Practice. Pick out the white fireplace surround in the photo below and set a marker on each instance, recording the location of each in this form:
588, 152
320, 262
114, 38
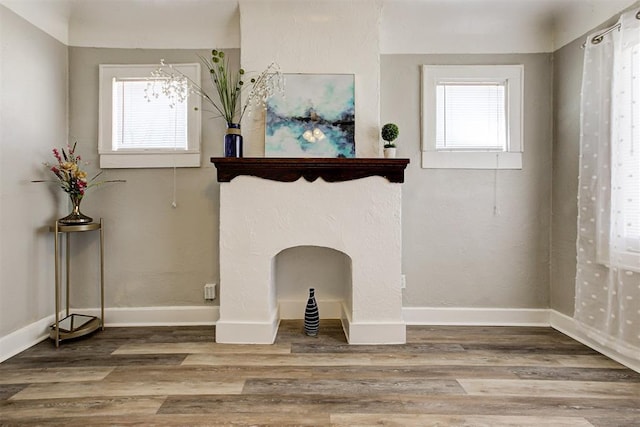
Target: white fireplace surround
259, 218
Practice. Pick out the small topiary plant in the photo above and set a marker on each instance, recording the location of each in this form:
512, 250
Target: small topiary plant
389, 133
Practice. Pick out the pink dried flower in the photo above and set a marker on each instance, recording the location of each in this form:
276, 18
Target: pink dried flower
71, 178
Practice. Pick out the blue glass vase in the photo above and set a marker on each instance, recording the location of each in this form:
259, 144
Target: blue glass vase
233, 141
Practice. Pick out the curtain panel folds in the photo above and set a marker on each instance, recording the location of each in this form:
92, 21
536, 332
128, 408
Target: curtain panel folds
608, 262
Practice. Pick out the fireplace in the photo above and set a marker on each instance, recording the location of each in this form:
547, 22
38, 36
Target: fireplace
352, 206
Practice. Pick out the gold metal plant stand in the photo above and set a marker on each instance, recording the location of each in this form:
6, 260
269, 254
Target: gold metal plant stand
74, 325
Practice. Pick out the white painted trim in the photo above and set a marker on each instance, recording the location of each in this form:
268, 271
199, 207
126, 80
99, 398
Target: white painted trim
514, 317
362, 333
571, 328
345, 320
372, 333
476, 316
23, 338
471, 160
156, 316
32, 334
369, 333
234, 332
149, 160
156, 158
512, 76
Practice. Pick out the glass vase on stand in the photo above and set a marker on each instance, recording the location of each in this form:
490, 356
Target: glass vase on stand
75, 217
233, 141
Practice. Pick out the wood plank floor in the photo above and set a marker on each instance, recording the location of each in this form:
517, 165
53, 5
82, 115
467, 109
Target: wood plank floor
443, 376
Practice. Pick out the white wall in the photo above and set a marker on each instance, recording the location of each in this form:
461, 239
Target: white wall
297, 270
180, 24
489, 26
33, 120
573, 22
454, 26
51, 17
192, 24
407, 26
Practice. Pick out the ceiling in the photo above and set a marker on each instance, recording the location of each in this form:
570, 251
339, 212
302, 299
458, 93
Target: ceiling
194, 23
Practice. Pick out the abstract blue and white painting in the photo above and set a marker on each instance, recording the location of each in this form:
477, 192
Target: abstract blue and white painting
313, 117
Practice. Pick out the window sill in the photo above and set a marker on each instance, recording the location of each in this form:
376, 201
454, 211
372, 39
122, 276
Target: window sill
149, 160
628, 261
471, 160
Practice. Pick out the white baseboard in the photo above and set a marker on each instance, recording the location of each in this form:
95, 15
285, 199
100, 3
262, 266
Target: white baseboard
240, 332
359, 333
157, 316
475, 316
30, 335
23, 338
370, 333
571, 328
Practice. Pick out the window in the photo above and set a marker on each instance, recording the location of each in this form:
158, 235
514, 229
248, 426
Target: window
140, 132
625, 158
626, 191
472, 116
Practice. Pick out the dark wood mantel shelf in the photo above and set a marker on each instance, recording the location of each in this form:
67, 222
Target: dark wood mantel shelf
292, 169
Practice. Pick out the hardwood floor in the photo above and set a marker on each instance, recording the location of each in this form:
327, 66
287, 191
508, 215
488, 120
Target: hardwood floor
443, 376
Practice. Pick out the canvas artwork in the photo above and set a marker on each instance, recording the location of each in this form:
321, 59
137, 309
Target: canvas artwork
313, 117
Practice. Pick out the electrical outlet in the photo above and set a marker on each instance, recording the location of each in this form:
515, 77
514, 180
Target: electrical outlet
210, 291
403, 282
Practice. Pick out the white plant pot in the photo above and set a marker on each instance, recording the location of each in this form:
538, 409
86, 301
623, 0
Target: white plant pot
390, 153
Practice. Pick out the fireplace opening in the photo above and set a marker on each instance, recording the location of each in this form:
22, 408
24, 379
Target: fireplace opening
299, 268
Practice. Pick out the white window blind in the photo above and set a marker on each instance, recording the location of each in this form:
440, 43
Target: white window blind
138, 131
470, 116
146, 124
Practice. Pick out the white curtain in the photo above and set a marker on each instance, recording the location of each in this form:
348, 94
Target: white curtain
608, 262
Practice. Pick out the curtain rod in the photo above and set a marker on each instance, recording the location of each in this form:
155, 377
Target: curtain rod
599, 37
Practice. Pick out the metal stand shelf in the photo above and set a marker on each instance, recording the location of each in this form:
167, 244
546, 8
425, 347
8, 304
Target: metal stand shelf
74, 325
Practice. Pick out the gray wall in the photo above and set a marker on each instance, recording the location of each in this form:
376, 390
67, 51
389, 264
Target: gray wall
33, 120
456, 252
567, 79
155, 255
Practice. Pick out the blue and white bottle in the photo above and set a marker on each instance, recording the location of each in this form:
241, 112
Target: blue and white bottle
311, 315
